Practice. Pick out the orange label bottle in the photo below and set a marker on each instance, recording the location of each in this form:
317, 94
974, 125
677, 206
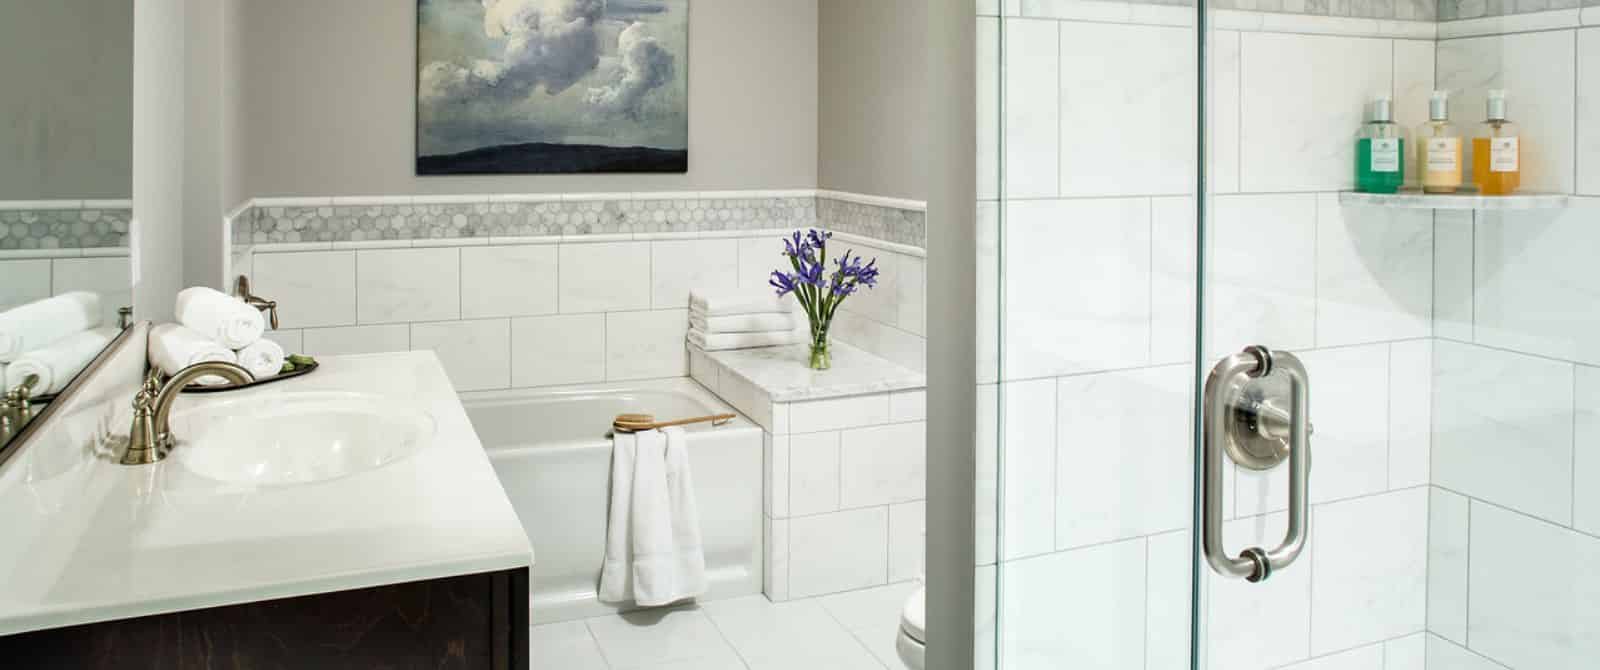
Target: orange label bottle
1497, 151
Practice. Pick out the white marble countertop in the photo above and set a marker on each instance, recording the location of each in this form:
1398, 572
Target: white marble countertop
782, 372
83, 539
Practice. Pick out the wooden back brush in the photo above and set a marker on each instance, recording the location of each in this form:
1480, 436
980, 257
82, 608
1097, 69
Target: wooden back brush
633, 423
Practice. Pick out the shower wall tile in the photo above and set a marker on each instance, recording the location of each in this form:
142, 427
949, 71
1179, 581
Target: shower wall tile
1541, 618
1503, 428
1445, 654
1407, 653
508, 281
1352, 444
1172, 280
1077, 286
1586, 445
1029, 479
1410, 412
1302, 98
1588, 111
1538, 69
1374, 273
1123, 455
1032, 129
1105, 586
1280, 606
476, 354
1369, 657
1452, 275
1449, 534
313, 288
1261, 272
1534, 282
1360, 595
1223, 143
1168, 601
1146, 96
404, 285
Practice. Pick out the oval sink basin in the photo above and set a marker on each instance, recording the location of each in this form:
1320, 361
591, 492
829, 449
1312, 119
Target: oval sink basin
297, 438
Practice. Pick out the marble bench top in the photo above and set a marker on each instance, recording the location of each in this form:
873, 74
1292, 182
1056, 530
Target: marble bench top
781, 372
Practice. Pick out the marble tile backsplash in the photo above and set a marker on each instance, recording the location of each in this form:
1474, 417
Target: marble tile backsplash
64, 225
1457, 10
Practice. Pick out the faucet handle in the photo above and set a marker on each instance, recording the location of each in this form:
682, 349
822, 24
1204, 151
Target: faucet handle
241, 290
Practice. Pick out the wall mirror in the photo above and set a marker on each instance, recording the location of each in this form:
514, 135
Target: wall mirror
66, 179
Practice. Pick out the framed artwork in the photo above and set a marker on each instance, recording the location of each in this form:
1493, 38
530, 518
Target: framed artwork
552, 86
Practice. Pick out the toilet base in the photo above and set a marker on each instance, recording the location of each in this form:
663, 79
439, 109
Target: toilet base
912, 652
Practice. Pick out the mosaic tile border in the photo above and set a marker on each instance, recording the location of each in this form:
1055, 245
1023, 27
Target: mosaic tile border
1463, 10
64, 225
456, 218
1404, 10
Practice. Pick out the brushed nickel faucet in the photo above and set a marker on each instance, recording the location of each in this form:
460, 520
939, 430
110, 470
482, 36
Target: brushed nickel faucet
151, 436
16, 407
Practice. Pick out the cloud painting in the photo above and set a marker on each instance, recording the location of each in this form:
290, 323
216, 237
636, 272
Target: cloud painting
552, 86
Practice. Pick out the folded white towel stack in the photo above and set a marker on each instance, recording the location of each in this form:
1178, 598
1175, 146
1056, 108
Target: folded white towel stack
654, 555
40, 324
743, 320
723, 303
743, 323
59, 363
219, 316
174, 347
726, 341
263, 358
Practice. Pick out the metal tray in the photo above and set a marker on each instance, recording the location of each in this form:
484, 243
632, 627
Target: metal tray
298, 372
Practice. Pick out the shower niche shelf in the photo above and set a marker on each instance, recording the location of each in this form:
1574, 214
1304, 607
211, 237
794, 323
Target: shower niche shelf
1472, 201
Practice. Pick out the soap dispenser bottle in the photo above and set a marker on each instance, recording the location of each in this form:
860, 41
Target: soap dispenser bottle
1439, 143
1497, 151
1380, 151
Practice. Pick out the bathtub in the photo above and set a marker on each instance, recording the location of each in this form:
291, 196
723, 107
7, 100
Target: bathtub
552, 451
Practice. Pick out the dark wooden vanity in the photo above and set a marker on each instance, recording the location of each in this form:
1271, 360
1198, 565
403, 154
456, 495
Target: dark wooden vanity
471, 621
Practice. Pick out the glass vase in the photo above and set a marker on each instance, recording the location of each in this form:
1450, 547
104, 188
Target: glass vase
820, 358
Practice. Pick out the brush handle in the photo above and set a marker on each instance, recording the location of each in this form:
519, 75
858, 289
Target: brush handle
698, 419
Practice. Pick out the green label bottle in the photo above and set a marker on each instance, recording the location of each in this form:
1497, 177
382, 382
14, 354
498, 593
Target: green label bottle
1380, 152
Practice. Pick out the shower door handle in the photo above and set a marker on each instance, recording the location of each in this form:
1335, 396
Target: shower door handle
1238, 420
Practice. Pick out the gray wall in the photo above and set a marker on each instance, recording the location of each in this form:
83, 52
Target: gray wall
66, 116
872, 100
329, 102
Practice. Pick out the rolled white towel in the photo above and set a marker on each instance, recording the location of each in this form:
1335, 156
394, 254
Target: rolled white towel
263, 359
724, 341
59, 363
219, 316
743, 323
744, 301
42, 323
174, 347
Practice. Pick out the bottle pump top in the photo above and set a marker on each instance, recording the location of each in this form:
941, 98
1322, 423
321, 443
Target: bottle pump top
1497, 105
1382, 109
1439, 106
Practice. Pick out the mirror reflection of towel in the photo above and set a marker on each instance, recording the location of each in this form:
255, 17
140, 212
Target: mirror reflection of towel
654, 554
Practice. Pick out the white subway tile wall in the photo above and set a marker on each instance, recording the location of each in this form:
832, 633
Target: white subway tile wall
30, 279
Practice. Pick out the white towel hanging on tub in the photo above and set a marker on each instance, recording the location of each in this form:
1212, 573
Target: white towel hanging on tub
653, 551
